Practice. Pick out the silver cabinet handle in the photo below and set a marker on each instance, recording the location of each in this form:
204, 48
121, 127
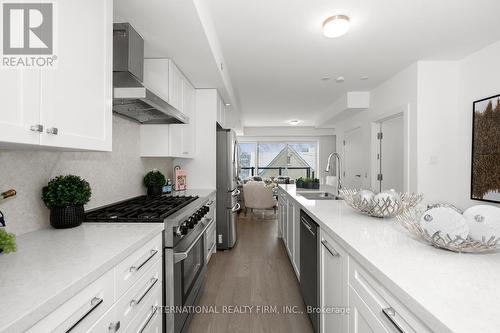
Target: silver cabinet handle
52, 130
304, 222
94, 303
36, 128
139, 300
236, 208
136, 268
146, 324
390, 313
114, 327
328, 247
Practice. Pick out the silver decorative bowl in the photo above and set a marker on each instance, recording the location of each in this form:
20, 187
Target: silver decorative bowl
383, 207
410, 220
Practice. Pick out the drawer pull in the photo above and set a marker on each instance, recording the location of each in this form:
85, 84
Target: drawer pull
390, 313
146, 324
94, 303
139, 300
136, 268
328, 247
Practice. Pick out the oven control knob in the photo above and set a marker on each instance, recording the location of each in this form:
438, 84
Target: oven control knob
206, 209
181, 230
191, 223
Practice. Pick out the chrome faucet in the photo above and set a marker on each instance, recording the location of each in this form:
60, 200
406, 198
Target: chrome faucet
339, 169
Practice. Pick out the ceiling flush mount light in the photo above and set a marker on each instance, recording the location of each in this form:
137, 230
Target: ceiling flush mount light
340, 79
294, 122
228, 104
336, 26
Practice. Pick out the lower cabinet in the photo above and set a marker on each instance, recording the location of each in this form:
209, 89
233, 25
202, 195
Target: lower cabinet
288, 229
114, 304
334, 288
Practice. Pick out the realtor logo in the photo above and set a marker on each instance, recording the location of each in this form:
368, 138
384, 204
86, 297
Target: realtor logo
28, 35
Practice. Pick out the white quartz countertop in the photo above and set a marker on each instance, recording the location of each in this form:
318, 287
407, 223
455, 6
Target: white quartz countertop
50, 266
449, 292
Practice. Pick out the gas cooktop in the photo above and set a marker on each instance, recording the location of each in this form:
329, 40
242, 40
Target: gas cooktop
140, 209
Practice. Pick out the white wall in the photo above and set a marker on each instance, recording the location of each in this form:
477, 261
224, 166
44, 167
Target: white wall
393, 96
446, 93
113, 176
202, 168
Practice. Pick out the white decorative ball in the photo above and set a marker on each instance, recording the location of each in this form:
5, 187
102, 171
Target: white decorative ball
365, 197
446, 220
391, 195
483, 221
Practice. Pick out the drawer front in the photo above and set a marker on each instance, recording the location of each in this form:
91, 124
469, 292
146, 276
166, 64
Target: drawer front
140, 293
82, 310
390, 312
149, 316
130, 270
109, 323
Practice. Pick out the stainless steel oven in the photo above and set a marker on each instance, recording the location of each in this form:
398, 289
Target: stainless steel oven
189, 275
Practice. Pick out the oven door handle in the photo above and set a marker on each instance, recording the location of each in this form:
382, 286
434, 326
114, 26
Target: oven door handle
180, 256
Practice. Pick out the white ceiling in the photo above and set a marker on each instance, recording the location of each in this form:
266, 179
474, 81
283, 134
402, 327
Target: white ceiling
276, 54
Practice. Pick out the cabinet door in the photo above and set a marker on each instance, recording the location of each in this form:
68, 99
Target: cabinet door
175, 140
20, 96
290, 230
334, 286
76, 97
362, 320
189, 130
174, 86
156, 76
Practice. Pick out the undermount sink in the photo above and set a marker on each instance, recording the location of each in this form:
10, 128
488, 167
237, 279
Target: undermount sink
319, 196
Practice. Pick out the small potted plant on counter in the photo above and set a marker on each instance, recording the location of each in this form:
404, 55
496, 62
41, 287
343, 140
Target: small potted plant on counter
7, 242
154, 181
65, 197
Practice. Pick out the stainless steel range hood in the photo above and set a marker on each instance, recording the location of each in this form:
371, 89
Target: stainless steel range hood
130, 98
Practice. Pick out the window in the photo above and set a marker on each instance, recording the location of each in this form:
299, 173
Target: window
273, 159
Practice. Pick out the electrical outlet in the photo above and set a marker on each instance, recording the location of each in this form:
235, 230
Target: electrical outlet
220, 239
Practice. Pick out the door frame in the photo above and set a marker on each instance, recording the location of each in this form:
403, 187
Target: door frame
403, 110
351, 129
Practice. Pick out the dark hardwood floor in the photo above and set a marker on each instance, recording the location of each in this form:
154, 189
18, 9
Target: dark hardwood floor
256, 272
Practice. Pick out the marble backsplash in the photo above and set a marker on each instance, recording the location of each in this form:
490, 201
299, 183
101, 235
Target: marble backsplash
113, 176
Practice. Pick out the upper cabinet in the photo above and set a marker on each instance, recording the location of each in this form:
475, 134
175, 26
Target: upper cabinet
164, 78
68, 106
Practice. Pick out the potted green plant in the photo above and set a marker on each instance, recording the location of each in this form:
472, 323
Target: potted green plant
299, 183
154, 181
7, 242
65, 197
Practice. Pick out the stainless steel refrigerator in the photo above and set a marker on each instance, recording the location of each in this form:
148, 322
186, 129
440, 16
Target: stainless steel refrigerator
227, 188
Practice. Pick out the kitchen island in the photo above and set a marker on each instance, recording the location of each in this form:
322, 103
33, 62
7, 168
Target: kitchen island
384, 267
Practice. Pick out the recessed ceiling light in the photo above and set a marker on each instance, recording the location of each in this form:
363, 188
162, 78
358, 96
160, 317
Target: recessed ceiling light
228, 104
294, 122
340, 79
336, 26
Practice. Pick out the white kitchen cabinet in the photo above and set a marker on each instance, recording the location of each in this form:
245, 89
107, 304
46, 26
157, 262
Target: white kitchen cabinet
333, 285
175, 79
20, 96
288, 229
377, 307
122, 297
221, 112
165, 79
71, 102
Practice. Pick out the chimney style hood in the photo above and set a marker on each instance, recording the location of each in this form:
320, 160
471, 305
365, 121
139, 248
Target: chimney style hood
130, 98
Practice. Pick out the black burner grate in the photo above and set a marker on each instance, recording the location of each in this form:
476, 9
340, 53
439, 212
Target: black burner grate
140, 209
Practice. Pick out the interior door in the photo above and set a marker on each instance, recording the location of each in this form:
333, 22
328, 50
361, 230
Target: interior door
353, 159
392, 154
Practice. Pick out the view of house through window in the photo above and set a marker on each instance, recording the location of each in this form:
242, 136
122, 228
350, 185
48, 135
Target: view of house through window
273, 159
